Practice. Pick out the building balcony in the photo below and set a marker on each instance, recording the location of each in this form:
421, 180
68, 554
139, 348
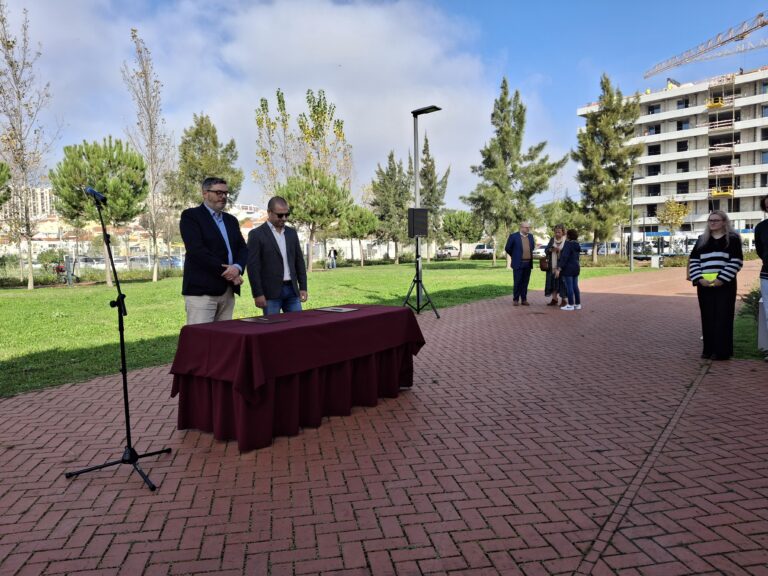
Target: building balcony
726, 124
721, 170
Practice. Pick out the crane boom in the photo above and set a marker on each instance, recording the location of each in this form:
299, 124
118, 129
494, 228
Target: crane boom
736, 33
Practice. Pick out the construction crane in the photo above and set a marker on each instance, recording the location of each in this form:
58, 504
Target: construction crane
706, 50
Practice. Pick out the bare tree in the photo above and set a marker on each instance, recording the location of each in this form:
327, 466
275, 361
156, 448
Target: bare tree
150, 138
23, 144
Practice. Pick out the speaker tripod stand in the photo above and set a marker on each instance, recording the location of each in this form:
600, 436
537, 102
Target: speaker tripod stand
419, 286
130, 456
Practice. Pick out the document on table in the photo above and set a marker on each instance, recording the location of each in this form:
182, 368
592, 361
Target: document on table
337, 309
263, 320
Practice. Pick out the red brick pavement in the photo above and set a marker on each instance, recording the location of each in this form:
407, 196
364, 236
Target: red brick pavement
535, 441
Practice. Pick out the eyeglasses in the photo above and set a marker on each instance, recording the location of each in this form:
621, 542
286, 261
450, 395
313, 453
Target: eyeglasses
219, 192
715, 220
282, 214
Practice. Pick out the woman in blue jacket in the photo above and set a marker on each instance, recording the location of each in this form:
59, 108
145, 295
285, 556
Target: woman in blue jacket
568, 270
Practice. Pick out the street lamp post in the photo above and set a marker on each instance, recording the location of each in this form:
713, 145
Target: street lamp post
417, 204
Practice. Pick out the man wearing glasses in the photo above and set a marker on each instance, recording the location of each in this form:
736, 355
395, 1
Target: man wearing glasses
216, 256
276, 267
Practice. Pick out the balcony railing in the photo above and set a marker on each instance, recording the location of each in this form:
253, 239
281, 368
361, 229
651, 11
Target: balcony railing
722, 146
720, 124
723, 169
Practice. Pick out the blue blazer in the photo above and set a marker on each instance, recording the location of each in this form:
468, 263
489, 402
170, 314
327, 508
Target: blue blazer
568, 261
514, 248
206, 252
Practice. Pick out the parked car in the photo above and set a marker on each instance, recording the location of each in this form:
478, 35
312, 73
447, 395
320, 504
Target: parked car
609, 248
172, 262
448, 252
540, 251
484, 249
586, 247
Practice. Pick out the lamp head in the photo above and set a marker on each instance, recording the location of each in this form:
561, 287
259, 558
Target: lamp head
425, 110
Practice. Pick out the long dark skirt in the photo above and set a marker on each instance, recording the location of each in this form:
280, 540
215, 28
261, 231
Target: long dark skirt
554, 287
717, 307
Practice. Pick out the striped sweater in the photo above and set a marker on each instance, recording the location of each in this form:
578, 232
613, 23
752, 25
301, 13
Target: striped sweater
715, 257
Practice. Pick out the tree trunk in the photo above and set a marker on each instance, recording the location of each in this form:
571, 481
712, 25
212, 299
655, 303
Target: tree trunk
309, 248
594, 248
461, 249
493, 256
107, 267
397, 253
352, 249
30, 270
21, 262
362, 258
155, 260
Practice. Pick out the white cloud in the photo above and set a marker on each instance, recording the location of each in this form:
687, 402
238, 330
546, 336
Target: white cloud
375, 60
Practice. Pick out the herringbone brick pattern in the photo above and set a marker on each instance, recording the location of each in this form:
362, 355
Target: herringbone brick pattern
534, 441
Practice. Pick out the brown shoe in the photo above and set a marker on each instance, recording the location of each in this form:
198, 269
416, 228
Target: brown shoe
563, 302
515, 303
525, 303
552, 303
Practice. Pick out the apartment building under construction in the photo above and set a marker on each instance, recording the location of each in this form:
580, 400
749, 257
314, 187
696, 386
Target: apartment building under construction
705, 144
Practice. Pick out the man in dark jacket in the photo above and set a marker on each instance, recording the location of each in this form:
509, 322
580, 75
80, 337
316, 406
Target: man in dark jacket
520, 249
276, 267
216, 256
761, 246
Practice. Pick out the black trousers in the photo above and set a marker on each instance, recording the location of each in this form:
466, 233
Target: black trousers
717, 306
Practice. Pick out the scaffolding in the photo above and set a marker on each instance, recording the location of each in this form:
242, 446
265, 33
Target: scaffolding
721, 140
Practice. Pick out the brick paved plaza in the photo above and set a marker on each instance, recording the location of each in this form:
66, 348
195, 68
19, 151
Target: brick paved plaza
534, 441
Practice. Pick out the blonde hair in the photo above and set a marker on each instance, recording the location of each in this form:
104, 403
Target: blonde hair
729, 231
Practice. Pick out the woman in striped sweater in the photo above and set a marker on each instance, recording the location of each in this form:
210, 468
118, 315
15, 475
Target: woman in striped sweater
713, 265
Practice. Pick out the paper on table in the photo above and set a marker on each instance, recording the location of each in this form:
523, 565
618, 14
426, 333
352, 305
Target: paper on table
337, 309
263, 320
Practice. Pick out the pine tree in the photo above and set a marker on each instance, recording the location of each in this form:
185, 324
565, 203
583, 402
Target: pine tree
391, 193
317, 201
432, 193
359, 224
201, 155
607, 162
509, 176
113, 169
462, 226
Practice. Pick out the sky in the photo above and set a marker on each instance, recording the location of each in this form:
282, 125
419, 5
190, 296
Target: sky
376, 60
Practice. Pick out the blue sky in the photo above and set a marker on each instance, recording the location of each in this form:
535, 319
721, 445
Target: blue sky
375, 60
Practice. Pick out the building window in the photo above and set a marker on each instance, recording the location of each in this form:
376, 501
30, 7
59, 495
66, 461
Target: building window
682, 187
655, 169
764, 111
682, 103
764, 87
654, 108
682, 167
764, 157
684, 124
764, 134
763, 180
682, 146
656, 129
654, 150
651, 210
714, 205
654, 189
736, 205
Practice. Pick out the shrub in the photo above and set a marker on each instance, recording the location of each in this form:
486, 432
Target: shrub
750, 304
481, 256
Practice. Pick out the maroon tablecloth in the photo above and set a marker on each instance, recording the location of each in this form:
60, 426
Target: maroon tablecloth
251, 381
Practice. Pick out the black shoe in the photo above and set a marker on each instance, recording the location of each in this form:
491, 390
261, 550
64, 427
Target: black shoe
716, 358
705, 356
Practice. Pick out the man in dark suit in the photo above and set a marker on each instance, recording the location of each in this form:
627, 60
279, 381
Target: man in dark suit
216, 256
276, 267
520, 248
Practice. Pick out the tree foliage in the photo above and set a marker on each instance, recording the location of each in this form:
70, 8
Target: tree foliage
509, 175
432, 192
672, 214
113, 169
462, 226
359, 223
150, 138
316, 200
391, 194
567, 212
607, 161
201, 155
318, 139
23, 141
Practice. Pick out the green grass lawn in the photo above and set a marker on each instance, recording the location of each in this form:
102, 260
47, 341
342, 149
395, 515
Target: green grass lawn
59, 335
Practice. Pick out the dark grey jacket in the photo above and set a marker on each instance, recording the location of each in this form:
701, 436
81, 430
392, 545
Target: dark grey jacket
265, 263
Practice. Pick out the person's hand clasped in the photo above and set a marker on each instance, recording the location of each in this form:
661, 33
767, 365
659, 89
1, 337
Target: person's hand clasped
260, 301
231, 274
303, 295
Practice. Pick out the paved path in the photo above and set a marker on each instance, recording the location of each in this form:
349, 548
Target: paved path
534, 442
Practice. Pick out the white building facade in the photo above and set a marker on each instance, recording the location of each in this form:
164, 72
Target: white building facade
705, 144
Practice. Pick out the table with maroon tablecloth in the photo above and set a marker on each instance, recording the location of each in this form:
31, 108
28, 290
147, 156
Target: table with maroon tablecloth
252, 380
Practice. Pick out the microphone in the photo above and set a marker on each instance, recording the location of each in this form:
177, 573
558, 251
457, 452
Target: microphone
97, 196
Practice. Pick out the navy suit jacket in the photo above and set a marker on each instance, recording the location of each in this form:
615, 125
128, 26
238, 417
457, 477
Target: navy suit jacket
514, 248
207, 251
265, 263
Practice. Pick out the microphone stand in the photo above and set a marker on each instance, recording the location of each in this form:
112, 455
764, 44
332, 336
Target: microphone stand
130, 456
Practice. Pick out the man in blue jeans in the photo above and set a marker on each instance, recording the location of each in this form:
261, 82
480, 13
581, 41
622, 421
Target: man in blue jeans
276, 267
520, 249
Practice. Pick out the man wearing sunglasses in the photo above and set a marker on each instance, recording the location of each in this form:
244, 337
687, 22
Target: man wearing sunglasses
276, 267
216, 256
